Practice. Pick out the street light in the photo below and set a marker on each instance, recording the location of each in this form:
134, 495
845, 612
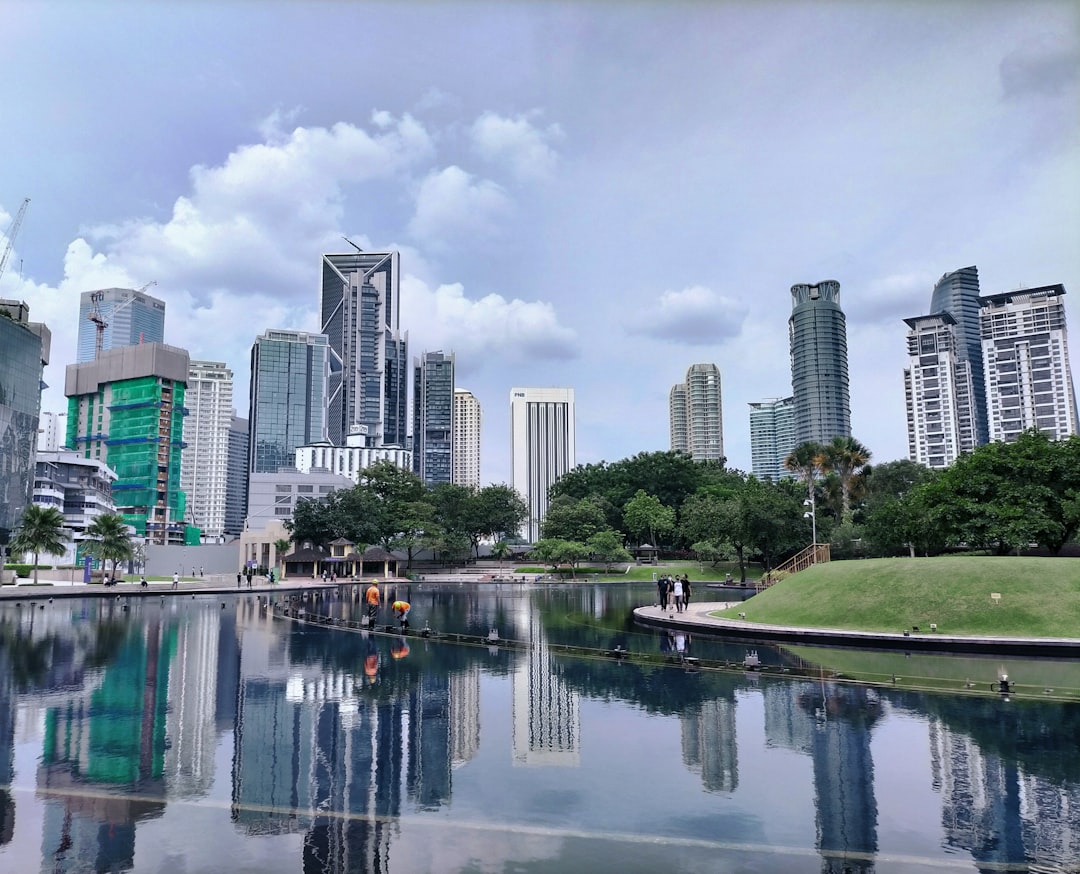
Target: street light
811, 514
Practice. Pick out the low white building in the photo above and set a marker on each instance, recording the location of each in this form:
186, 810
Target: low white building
80, 488
352, 458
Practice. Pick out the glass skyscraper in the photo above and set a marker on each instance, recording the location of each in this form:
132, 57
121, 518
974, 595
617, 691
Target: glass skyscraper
433, 418
772, 437
817, 330
131, 317
360, 314
289, 376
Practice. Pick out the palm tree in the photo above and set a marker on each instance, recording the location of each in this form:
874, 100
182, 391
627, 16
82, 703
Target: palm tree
40, 531
109, 539
281, 546
846, 457
803, 460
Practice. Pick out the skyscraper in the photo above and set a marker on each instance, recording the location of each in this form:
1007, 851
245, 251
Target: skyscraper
433, 417
1026, 355
236, 485
467, 420
957, 294
204, 464
696, 414
131, 317
542, 447
361, 317
290, 371
817, 330
772, 437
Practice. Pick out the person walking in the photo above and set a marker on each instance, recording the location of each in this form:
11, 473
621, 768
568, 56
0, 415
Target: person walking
142, 581
239, 579
676, 594
685, 591
662, 590
372, 597
175, 579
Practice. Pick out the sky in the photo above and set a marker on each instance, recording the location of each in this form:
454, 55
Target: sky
587, 195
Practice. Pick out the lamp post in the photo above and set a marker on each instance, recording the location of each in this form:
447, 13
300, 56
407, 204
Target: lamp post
811, 514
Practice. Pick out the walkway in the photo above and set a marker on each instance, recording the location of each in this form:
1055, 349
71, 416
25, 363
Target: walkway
695, 618
220, 584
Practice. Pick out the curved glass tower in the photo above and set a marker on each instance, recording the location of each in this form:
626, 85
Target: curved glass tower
817, 330
957, 294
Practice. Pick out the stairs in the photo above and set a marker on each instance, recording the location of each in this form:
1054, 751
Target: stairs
816, 553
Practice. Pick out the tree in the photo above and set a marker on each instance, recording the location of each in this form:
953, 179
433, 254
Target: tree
547, 552
846, 457
109, 539
709, 551
501, 550
803, 461
499, 512
281, 545
607, 546
41, 530
645, 514
567, 519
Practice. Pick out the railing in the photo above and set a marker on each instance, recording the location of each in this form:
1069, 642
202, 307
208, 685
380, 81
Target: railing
816, 553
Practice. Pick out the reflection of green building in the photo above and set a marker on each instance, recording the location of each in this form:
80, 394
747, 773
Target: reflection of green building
127, 409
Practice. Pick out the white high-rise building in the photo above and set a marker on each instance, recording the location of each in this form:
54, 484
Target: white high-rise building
204, 463
49, 433
772, 437
1026, 359
542, 447
466, 439
696, 414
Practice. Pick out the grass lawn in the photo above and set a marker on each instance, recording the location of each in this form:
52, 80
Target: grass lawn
1040, 597
644, 572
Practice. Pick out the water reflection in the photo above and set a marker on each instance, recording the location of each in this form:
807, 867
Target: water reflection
360, 749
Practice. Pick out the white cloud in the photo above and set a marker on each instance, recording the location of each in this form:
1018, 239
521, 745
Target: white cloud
517, 143
696, 316
452, 205
489, 331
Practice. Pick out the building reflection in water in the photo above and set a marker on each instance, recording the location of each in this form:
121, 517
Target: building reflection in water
708, 744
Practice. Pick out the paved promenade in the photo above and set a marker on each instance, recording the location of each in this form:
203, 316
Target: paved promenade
695, 618
220, 584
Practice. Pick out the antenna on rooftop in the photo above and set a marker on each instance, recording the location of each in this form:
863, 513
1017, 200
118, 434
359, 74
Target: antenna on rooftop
351, 243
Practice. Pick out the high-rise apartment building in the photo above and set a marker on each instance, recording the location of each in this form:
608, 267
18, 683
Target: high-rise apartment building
236, 479
817, 330
772, 437
542, 447
696, 414
433, 417
466, 439
360, 314
939, 392
50, 432
126, 408
79, 487
1026, 356
957, 293
24, 352
204, 464
290, 373
130, 317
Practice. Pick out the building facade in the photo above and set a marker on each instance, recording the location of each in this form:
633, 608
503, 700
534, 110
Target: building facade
1026, 358
273, 496
126, 409
24, 352
466, 455
352, 459
957, 293
130, 317
50, 431
204, 464
772, 437
542, 447
79, 487
817, 330
290, 373
236, 479
360, 314
433, 417
696, 414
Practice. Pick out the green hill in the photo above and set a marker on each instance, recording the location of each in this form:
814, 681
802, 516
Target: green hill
1040, 597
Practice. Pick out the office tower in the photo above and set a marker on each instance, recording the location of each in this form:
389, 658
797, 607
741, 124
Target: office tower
24, 352
1026, 355
127, 409
957, 294
50, 432
290, 372
696, 416
236, 478
204, 465
817, 330
433, 417
772, 437
352, 459
542, 447
360, 309
130, 317
79, 487
939, 392
466, 439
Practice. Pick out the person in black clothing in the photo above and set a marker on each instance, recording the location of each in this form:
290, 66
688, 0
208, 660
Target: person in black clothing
685, 591
663, 587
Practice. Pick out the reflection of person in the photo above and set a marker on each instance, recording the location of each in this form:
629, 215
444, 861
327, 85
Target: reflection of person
399, 649
371, 665
401, 611
372, 598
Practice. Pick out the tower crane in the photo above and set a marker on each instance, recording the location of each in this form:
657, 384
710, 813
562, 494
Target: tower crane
12, 232
99, 320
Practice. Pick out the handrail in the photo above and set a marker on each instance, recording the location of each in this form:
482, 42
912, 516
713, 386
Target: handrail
815, 553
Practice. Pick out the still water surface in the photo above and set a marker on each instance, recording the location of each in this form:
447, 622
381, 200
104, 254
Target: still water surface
191, 735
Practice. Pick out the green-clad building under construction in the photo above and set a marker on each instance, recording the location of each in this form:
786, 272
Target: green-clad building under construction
126, 408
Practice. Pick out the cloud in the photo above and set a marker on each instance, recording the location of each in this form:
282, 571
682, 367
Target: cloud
516, 143
888, 299
489, 331
1039, 69
453, 206
696, 315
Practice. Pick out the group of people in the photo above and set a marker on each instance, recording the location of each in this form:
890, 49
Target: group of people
673, 590
400, 608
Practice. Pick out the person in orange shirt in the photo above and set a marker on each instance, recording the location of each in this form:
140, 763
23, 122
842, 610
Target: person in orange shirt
401, 611
373, 600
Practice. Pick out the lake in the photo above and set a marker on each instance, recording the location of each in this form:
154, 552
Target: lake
200, 734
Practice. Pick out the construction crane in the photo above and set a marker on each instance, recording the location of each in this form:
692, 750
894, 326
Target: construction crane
12, 232
99, 320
